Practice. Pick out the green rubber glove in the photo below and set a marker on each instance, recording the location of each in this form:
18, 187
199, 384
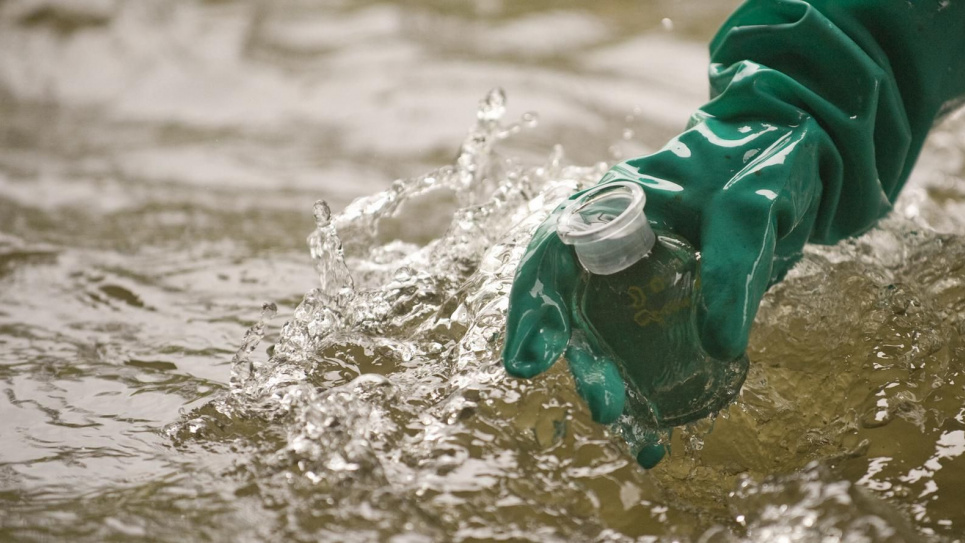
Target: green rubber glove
819, 111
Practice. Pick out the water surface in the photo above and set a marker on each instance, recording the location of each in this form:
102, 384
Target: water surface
159, 168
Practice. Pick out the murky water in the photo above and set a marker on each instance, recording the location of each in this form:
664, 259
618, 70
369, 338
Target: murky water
160, 164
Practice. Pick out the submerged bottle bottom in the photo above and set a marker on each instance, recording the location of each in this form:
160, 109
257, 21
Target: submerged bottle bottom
644, 318
647, 432
702, 395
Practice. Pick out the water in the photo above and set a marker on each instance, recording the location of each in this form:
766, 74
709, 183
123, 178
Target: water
159, 162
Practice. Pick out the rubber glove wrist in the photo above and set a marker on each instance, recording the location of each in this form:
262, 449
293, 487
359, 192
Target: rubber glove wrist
873, 74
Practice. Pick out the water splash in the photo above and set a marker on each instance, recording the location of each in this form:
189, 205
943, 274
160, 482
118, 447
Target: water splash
327, 254
243, 368
387, 375
383, 408
812, 505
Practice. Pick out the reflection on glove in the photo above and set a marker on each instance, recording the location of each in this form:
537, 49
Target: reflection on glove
819, 111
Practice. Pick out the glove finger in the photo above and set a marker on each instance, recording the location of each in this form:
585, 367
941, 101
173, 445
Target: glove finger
538, 322
737, 251
598, 379
650, 455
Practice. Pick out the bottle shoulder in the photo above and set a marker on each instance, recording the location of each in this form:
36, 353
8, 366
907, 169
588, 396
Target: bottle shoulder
675, 246
668, 271
670, 254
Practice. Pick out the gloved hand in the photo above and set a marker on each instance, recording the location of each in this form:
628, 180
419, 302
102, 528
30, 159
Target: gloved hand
819, 111
747, 194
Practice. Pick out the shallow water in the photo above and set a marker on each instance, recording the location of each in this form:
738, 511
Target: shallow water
159, 162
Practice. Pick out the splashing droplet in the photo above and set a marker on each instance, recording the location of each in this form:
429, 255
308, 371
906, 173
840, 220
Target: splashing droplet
530, 119
327, 253
556, 157
243, 368
323, 214
493, 106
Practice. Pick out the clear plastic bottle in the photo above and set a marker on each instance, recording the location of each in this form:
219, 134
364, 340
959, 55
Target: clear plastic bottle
638, 296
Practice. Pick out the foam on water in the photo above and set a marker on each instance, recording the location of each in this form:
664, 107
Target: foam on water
382, 409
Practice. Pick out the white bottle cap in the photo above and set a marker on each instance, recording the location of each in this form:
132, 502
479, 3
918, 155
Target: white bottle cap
607, 228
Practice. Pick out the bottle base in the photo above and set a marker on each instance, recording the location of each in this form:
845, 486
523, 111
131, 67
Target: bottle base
721, 394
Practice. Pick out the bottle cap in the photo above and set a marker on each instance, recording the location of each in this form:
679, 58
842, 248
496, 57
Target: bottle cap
607, 227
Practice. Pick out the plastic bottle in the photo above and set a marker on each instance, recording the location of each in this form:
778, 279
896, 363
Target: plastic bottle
638, 295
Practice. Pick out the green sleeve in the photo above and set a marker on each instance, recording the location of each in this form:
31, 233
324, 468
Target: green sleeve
874, 74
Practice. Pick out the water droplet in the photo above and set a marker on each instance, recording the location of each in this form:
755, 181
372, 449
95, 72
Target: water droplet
510, 130
628, 133
323, 214
556, 157
404, 274
530, 119
493, 106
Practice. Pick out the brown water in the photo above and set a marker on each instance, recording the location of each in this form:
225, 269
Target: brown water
159, 162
